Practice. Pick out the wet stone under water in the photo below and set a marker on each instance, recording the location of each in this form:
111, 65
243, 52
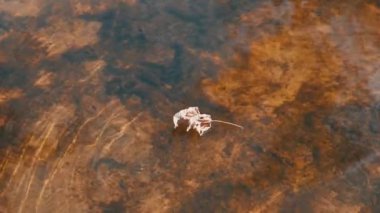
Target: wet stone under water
88, 89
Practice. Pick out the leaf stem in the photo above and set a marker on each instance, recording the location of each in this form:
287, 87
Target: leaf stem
225, 122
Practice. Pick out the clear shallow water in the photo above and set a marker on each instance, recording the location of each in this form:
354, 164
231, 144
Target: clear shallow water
88, 90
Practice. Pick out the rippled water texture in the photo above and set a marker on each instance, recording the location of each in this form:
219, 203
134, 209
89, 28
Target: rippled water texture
88, 89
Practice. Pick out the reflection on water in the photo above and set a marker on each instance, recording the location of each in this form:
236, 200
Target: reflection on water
88, 88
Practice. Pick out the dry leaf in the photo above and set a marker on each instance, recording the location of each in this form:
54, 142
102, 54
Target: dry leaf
200, 122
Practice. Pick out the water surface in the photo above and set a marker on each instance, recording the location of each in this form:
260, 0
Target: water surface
88, 89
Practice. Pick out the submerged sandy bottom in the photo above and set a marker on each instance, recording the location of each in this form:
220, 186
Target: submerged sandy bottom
88, 89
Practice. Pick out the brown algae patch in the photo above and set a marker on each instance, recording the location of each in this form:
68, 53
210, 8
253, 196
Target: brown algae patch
7, 95
272, 73
62, 35
44, 79
307, 50
21, 8
109, 134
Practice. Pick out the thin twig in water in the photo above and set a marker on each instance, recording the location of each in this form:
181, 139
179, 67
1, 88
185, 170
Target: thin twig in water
225, 122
